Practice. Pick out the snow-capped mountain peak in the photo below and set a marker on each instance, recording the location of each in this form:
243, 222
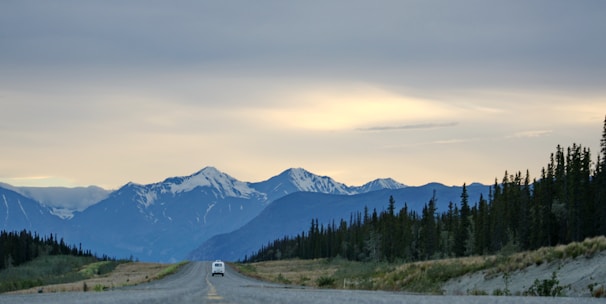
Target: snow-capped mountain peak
211, 177
304, 180
379, 184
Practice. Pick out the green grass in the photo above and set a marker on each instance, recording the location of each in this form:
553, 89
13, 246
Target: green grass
54, 269
171, 269
98, 268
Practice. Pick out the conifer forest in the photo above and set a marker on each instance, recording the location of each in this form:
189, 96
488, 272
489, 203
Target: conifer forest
567, 203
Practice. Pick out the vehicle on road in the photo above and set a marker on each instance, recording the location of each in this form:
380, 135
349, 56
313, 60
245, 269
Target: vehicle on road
218, 268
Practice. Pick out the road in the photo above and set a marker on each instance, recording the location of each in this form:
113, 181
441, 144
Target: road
194, 284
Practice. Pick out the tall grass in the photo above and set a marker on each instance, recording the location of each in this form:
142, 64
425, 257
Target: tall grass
521, 260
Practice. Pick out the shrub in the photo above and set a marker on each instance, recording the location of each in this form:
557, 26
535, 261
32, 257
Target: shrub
280, 278
546, 288
303, 280
498, 292
598, 292
477, 292
326, 281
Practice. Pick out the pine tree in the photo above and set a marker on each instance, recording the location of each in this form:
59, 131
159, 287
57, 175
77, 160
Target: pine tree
406, 236
462, 234
524, 214
482, 227
429, 232
389, 230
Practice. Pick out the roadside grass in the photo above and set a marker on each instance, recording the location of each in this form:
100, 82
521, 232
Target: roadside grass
170, 269
69, 273
419, 277
429, 276
126, 274
298, 272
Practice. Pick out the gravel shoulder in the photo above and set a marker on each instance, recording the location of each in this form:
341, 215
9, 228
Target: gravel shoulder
576, 274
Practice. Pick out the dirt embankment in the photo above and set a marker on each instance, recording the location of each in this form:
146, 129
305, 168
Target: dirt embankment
124, 275
580, 277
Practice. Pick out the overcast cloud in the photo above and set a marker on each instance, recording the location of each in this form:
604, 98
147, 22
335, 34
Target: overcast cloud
106, 92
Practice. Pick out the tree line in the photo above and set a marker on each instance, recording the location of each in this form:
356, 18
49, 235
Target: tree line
18, 247
566, 204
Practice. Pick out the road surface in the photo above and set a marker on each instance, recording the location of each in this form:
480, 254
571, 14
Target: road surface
194, 284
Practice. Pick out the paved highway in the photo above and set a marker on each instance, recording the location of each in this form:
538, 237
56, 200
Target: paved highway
194, 284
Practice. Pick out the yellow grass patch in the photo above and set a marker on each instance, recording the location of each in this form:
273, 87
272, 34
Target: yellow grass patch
298, 272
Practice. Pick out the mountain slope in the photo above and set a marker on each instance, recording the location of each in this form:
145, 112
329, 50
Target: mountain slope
161, 221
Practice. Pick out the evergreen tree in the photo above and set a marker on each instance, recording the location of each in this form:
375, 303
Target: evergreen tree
389, 230
20, 247
462, 234
524, 214
429, 232
482, 227
405, 224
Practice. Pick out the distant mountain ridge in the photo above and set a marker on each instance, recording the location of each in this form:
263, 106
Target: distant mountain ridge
62, 201
298, 179
18, 212
65, 201
165, 221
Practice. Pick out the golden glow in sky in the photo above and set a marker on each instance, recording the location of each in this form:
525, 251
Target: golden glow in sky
450, 92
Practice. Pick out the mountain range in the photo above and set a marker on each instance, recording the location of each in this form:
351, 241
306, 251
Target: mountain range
208, 214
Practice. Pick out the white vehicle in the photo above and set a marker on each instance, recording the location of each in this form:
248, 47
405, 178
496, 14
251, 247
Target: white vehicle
218, 268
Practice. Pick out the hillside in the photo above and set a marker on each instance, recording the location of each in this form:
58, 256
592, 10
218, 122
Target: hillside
582, 276
580, 270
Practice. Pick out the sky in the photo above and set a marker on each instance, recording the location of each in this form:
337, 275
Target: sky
110, 92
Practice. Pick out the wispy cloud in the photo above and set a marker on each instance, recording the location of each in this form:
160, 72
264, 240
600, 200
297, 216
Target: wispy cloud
530, 133
452, 141
410, 127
